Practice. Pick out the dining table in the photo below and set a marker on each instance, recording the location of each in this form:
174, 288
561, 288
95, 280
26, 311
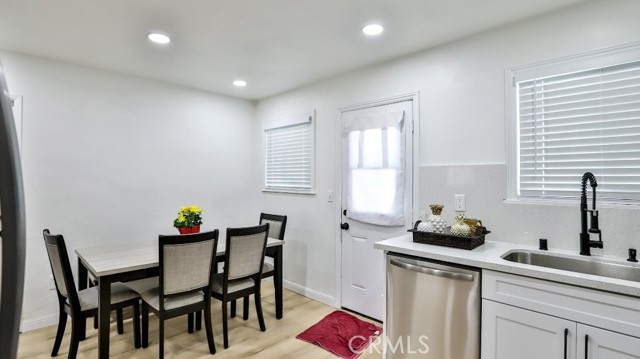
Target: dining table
109, 264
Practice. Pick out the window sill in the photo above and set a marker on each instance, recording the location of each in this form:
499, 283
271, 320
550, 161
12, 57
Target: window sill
572, 203
288, 191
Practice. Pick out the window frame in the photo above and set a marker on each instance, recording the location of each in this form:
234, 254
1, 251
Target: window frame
589, 60
309, 117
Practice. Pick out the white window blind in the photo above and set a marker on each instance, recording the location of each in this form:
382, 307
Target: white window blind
289, 157
578, 122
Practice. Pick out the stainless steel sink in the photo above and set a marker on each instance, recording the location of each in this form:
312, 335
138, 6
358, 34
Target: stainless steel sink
588, 265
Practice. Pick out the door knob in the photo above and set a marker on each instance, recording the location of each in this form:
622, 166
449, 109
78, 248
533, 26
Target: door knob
345, 226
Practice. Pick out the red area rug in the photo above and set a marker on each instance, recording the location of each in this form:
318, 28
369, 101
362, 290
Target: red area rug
341, 334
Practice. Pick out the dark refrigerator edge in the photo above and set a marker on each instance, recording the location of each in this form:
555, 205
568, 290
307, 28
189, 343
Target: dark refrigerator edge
13, 228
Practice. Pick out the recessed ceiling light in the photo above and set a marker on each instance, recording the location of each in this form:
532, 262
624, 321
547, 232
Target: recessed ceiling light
239, 83
158, 38
373, 29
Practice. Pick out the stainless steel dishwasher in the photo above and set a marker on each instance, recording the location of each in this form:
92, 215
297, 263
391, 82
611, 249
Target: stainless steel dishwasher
433, 310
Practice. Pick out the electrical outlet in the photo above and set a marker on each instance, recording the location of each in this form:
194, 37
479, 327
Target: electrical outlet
460, 203
330, 197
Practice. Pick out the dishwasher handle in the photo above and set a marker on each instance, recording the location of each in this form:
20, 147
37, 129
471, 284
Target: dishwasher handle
432, 271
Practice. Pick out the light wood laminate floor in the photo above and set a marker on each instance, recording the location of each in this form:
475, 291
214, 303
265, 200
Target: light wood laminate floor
245, 338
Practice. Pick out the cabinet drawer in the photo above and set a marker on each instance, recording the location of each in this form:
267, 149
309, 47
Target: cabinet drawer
600, 309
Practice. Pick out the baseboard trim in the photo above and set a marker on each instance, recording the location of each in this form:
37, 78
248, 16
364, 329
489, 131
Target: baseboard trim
310, 293
37, 323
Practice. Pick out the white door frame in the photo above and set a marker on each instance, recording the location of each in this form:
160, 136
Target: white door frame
415, 98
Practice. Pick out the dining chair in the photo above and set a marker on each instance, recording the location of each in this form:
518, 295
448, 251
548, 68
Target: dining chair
277, 226
80, 305
183, 285
244, 258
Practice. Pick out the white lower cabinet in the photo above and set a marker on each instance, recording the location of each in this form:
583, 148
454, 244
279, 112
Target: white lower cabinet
509, 332
596, 343
526, 318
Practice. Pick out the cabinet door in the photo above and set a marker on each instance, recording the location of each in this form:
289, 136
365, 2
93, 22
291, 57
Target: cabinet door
509, 332
595, 343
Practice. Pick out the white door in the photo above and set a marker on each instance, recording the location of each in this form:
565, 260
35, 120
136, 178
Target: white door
603, 344
509, 332
377, 195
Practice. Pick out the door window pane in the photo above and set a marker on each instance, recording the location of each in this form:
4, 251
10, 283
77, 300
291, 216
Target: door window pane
376, 175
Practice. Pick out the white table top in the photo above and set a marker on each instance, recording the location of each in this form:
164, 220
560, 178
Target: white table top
108, 260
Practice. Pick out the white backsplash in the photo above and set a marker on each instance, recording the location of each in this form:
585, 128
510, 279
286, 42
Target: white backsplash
485, 187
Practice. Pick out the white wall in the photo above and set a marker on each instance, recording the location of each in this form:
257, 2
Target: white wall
486, 187
461, 122
109, 158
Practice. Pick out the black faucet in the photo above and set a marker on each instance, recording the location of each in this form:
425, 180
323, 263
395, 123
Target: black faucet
585, 239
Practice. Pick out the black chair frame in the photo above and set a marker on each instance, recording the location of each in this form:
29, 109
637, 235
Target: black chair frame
227, 297
72, 306
245, 301
205, 305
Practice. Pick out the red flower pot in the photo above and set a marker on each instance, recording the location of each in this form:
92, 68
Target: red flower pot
189, 230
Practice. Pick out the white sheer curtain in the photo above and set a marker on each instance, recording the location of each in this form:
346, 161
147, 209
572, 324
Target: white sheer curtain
376, 168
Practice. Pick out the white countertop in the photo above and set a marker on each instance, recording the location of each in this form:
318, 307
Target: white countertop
488, 256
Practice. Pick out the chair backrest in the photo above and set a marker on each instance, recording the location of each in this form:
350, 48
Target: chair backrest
186, 263
277, 224
245, 249
61, 268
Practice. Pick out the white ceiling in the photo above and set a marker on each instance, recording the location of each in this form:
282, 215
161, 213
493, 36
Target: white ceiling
275, 45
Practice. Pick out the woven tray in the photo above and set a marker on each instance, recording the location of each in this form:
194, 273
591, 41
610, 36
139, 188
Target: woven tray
449, 240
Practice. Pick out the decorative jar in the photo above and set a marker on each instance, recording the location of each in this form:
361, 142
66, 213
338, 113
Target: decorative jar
439, 223
425, 226
460, 228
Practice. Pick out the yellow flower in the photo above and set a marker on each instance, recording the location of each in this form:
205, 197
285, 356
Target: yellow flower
184, 209
181, 218
194, 209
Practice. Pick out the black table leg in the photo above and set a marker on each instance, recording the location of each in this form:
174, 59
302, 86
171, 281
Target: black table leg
104, 303
218, 259
277, 280
83, 276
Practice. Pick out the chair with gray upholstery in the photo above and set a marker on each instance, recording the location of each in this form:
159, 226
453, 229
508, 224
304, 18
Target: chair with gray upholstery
183, 286
80, 305
277, 225
244, 259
